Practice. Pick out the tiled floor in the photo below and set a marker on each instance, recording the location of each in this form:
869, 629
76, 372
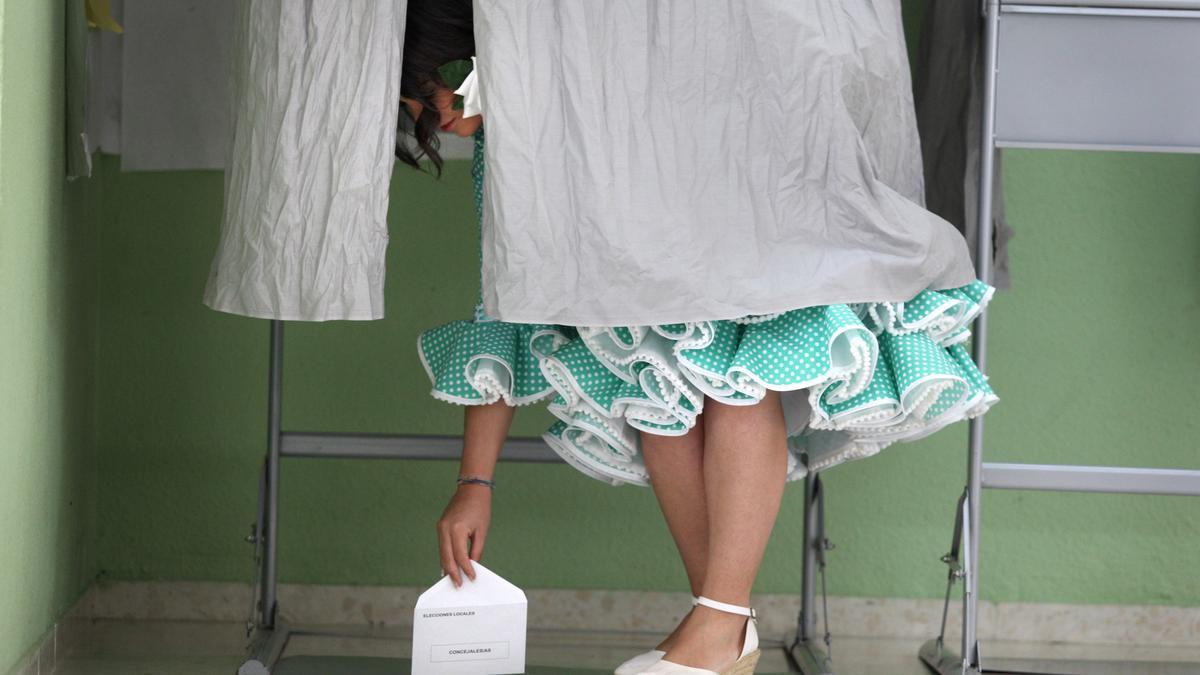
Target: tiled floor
118, 647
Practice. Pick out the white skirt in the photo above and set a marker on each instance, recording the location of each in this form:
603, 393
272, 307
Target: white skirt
666, 161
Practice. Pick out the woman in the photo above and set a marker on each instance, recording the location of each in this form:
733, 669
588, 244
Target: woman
715, 415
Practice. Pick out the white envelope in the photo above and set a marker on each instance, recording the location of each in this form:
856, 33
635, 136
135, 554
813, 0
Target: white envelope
477, 629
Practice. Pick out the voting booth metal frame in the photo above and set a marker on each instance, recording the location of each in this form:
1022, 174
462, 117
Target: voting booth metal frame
1062, 74
267, 631
1026, 103
1068, 74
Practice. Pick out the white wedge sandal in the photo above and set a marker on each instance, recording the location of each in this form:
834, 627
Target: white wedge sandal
644, 660
746, 660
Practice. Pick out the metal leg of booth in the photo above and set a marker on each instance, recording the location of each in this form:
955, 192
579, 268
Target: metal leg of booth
963, 558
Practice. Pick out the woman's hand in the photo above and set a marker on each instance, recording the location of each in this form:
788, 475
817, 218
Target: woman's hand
467, 515
469, 512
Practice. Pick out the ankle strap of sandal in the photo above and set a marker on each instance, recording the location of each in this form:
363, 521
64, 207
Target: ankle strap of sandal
694, 600
726, 607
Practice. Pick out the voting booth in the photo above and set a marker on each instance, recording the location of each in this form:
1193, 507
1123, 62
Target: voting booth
1088, 75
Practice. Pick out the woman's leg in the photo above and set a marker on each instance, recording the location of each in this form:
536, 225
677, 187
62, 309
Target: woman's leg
745, 470
676, 475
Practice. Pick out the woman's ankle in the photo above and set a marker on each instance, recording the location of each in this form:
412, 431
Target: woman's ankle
667, 641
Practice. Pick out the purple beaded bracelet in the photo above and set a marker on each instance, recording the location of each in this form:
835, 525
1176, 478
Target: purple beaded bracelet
481, 481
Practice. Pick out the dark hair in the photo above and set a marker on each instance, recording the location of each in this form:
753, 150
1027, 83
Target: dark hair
435, 32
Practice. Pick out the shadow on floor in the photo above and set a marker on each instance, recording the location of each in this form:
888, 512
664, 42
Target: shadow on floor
373, 665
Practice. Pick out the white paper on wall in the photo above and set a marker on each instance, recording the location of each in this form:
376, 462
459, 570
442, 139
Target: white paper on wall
103, 108
175, 84
159, 94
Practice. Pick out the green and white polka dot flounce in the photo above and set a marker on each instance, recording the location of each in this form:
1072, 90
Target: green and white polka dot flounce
866, 375
474, 363
482, 360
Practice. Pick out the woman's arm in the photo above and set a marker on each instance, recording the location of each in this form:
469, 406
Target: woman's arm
485, 427
470, 509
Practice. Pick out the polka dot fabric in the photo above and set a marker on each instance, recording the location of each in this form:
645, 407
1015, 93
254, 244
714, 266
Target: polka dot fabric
482, 360
871, 374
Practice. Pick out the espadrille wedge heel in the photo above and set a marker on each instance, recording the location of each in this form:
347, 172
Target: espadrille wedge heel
746, 662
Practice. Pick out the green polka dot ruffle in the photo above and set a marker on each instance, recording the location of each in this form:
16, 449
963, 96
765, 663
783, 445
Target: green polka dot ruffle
862, 376
482, 360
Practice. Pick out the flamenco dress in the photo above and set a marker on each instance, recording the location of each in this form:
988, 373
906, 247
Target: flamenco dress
854, 378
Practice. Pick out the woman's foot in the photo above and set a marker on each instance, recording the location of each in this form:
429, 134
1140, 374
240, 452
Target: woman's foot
637, 663
670, 639
709, 639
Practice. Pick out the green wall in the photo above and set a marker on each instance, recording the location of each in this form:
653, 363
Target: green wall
47, 339
1093, 352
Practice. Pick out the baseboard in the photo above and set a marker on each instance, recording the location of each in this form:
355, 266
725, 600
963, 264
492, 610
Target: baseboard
654, 611
55, 644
